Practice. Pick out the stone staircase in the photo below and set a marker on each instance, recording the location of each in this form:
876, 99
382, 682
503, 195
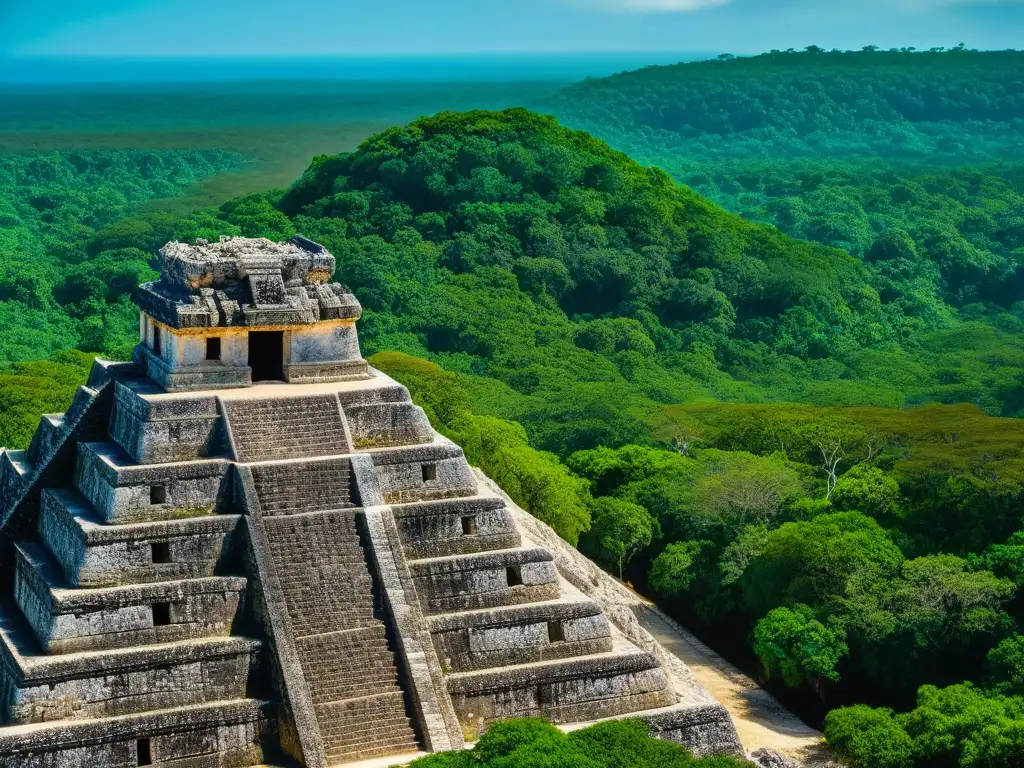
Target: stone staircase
309, 486
276, 428
336, 621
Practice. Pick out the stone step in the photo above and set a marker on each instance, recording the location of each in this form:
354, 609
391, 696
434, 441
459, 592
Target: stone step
66, 619
15, 470
356, 690
373, 722
94, 554
271, 429
299, 487
107, 683
372, 749
331, 592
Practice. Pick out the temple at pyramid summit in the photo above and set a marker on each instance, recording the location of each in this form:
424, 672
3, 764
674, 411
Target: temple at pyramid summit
247, 547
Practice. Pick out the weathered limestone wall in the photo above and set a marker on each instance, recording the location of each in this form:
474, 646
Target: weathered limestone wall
122, 492
202, 736
520, 635
66, 620
422, 473
323, 343
505, 577
149, 679
92, 554
164, 430
579, 690
383, 425
459, 526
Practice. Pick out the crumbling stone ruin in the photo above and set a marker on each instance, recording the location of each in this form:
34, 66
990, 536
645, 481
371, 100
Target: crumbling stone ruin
246, 547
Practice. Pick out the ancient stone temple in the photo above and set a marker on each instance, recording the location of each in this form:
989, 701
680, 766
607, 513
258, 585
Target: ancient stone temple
247, 547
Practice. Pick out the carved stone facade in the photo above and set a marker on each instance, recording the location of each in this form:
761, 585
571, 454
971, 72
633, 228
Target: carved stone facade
203, 571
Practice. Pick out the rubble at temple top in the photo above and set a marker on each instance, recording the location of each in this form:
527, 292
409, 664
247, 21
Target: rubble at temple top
243, 281
216, 265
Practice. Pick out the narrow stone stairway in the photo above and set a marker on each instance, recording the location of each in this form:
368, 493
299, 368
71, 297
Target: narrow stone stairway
342, 643
276, 428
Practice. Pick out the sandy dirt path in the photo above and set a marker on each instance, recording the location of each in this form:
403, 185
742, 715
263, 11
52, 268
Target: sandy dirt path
760, 719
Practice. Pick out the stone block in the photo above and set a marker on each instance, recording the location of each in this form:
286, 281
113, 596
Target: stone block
489, 580
154, 427
122, 491
383, 425
66, 619
458, 526
423, 473
93, 555
575, 690
520, 635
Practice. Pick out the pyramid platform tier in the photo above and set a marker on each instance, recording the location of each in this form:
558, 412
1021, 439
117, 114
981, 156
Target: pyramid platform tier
239, 732
94, 554
564, 690
457, 526
521, 634
96, 684
485, 580
65, 619
121, 490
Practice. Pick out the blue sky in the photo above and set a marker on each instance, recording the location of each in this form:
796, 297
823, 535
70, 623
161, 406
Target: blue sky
319, 27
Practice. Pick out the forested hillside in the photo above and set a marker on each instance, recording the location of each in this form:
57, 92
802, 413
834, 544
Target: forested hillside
902, 105
624, 356
908, 161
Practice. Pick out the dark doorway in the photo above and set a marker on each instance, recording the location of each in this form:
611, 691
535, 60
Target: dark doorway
266, 355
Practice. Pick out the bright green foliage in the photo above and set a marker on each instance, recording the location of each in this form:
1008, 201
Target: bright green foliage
1005, 665
69, 259
790, 104
619, 529
794, 645
871, 738
676, 568
819, 560
531, 743
869, 490
956, 726
32, 389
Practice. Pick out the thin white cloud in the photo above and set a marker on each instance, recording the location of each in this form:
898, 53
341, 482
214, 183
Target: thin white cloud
646, 6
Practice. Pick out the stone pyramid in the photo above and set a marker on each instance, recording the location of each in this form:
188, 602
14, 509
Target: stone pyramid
247, 547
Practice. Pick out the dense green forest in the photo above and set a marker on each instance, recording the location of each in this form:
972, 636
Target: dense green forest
61, 287
947, 105
805, 448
